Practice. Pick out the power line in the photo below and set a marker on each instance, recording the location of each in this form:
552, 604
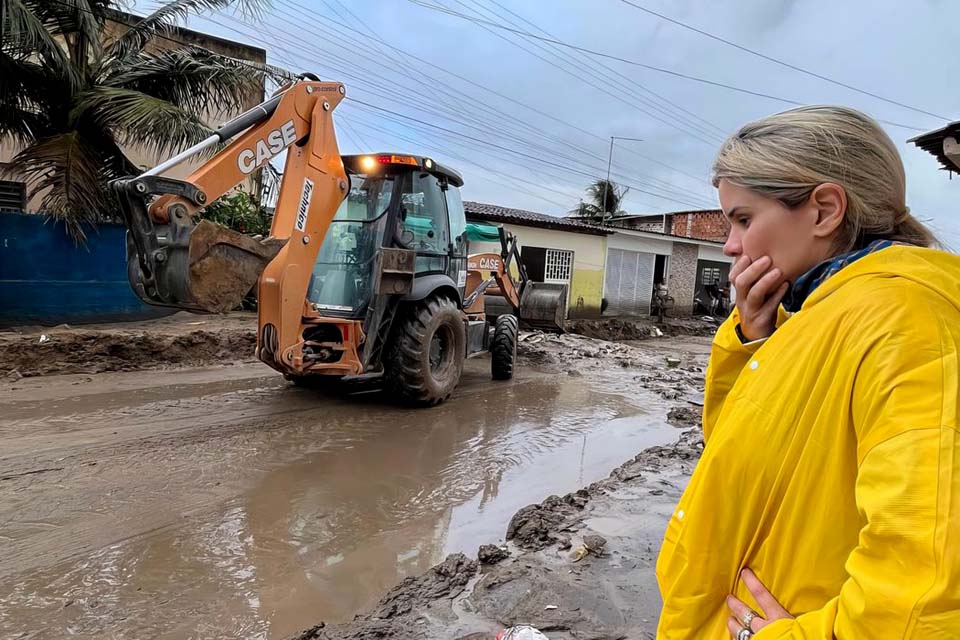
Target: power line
599, 72
435, 127
593, 52
482, 23
355, 136
777, 61
683, 198
501, 147
537, 170
380, 45
291, 74
677, 74
489, 90
607, 67
448, 151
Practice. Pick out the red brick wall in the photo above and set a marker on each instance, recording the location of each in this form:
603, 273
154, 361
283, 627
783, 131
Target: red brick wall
679, 225
710, 225
704, 225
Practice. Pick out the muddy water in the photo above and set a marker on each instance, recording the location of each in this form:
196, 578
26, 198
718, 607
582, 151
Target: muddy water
194, 506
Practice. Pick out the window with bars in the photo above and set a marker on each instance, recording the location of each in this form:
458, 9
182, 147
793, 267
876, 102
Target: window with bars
558, 266
13, 196
710, 275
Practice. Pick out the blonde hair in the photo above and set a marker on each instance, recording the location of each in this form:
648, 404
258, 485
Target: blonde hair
787, 155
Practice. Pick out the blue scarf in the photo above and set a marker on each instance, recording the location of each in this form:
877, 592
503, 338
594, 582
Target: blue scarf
806, 284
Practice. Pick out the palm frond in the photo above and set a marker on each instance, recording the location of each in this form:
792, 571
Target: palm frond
20, 126
164, 19
585, 210
137, 119
607, 196
194, 79
25, 35
73, 19
66, 171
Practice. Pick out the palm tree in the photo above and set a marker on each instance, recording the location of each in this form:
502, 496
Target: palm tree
605, 200
72, 99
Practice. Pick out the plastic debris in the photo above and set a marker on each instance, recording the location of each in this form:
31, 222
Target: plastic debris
44, 338
521, 632
592, 544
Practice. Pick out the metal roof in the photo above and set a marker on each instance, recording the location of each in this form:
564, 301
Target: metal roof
932, 142
494, 213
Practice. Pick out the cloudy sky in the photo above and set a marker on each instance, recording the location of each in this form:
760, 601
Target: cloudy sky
528, 122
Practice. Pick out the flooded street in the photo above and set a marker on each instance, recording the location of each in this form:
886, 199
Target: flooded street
225, 502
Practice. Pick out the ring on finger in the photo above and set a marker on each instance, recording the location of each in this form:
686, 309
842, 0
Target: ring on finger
748, 619
744, 634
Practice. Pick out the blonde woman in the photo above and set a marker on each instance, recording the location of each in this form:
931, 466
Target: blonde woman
827, 501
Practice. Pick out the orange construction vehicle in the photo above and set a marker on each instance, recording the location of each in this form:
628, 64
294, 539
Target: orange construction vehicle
366, 271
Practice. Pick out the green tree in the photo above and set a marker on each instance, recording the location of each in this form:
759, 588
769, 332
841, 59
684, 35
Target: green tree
239, 211
604, 200
71, 100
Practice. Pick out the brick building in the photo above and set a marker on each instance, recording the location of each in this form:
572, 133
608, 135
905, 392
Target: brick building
707, 224
699, 224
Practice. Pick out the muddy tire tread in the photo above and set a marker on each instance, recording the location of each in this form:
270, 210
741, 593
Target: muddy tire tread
503, 350
405, 375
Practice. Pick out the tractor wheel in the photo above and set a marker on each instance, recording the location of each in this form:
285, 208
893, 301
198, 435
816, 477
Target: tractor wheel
426, 353
503, 350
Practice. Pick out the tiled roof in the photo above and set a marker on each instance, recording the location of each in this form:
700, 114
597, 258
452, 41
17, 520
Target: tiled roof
494, 213
655, 216
932, 142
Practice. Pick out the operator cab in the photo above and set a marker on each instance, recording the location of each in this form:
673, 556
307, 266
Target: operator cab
395, 200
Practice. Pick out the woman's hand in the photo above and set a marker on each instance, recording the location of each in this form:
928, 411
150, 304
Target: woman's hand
771, 609
760, 289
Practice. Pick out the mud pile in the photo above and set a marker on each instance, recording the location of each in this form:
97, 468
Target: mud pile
623, 329
73, 351
403, 609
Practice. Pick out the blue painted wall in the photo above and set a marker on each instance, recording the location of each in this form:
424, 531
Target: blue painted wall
47, 279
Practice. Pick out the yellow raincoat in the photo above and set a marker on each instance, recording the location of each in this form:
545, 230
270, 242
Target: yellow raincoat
832, 464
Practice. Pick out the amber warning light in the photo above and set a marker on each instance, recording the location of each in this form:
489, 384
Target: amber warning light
369, 163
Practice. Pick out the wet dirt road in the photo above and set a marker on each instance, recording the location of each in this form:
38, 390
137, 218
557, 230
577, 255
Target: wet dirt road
223, 502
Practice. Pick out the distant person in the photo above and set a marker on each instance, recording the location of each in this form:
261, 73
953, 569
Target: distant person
827, 500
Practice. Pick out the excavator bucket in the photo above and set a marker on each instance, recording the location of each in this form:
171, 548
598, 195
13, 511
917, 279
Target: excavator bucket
544, 305
212, 272
225, 266
199, 266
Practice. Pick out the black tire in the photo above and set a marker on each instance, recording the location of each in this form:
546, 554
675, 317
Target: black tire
503, 350
425, 357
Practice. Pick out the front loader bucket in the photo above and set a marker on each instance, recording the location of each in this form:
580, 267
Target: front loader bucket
544, 305
197, 266
211, 270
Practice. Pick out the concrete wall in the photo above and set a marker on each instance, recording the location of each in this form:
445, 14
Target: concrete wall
589, 255
636, 242
656, 225
712, 253
683, 276
47, 279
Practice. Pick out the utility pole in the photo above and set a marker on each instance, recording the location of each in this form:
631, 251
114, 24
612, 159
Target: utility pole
606, 185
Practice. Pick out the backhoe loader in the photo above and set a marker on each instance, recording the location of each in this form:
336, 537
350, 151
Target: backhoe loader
366, 271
